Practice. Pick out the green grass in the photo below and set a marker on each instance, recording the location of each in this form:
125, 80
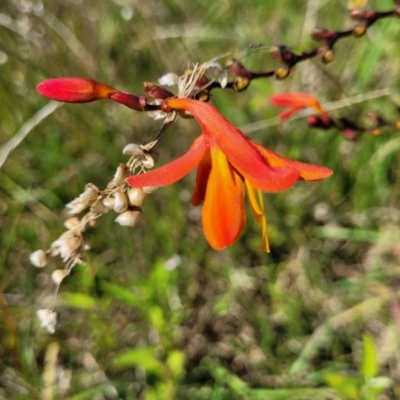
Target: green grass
222, 325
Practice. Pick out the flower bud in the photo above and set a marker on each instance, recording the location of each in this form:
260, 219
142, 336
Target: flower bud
326, 54
137, 197
359, 30
282, 73
322, 34
128, 218
74, 90
363, 15
237, 69
349, 134
156, 91
282, 54
39, 258
129, 100
240, 83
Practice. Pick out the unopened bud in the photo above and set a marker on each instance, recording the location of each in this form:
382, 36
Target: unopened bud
128, 218
359, 30
375, 131
326, 54
322, 34
350, 134
203, 95
75, 90
128, 100
240, 83
282, 54
282, 73
137, 197
363, 15
156, 91
237, 69
39, 258
58, 275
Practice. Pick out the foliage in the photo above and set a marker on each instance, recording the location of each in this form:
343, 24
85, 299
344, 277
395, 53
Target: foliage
156, 313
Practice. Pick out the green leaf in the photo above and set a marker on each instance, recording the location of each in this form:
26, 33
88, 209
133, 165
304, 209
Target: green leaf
346, 386
176, 363
141, 357
369, 365
79, 300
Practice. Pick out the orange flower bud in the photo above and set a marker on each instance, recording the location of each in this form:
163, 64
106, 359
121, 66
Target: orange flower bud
74, 90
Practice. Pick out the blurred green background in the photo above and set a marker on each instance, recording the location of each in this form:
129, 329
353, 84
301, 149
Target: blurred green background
156, 313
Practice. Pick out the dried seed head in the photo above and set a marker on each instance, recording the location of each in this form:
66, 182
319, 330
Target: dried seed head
169, 79
76, 206
120, 175
99, 208
39, 258
48, 319
58, 275
109, 202
150, 189
68, 245
137, 197
134, 150
128, 218
89, 196
120, 201
72, 223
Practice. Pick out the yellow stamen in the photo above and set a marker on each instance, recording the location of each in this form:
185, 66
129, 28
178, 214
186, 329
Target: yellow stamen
258, 210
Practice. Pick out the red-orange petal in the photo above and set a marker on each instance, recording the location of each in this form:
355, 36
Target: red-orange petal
237, 147
173, 171
223, 213
296, 100
203, 172
308, 172
74, 90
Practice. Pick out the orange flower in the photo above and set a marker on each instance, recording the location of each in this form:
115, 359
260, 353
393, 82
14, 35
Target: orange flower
229, 164
296, 101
